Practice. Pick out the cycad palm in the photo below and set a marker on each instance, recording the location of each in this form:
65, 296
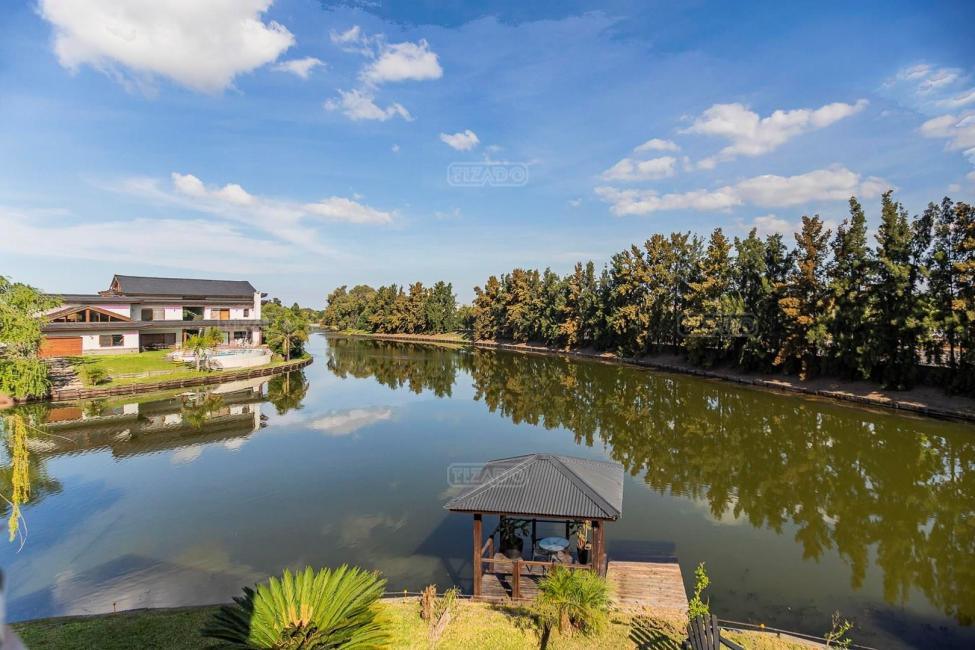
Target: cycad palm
305, 610
574, 597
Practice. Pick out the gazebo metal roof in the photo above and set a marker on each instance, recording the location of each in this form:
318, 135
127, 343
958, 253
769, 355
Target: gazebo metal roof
545, 485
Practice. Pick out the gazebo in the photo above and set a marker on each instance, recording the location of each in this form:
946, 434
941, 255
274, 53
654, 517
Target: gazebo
537, 488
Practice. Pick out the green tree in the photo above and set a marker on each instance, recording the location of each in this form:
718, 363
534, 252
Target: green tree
201, 344
441, 309
22, 373
752, 285
488, 310
964, 304
896, 306
943, 283
806, 301
580, 326
286, 332
709, 305
849, 279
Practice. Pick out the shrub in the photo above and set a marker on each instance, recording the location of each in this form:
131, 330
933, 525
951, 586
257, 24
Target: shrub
305, 610
698, 606
573, 598
93, 375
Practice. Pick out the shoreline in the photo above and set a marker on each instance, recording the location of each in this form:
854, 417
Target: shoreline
72, 394
923, 400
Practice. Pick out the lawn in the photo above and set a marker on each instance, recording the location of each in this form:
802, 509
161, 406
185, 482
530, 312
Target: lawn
154, 362
473, 626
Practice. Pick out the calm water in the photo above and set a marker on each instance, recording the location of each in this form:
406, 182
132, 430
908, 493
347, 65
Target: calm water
799, 507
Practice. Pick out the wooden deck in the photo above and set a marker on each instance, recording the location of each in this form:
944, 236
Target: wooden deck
656, 584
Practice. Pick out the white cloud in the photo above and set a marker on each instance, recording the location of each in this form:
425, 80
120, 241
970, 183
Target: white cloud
201, 45
351, 35
395, 148
232, 199
656, 144
575, 203
360, 105
753, 135
403, 62
834, 183
971, 176
768, 224
964, 99
629, 169
958, 130
197, 244
300, 67
463, 141
342, 423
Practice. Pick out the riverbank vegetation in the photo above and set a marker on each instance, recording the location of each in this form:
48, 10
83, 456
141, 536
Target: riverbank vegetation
393, 310
22, 372
829, 304
473, 626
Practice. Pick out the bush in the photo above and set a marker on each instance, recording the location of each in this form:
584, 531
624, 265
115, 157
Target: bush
93, 375
698, 606
328, 609
573, 599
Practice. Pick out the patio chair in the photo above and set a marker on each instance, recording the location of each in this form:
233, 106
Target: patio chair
703, 633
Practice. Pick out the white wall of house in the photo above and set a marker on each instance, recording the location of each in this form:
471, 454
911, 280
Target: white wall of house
257, 305
174, 312
237, 312
90, 343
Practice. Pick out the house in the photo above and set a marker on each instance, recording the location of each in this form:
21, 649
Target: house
141, 313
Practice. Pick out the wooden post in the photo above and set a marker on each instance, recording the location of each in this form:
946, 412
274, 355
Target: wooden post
534, 536
516, 579
597, 530
478, 565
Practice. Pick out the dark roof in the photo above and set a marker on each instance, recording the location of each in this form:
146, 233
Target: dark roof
139, 285
545, 485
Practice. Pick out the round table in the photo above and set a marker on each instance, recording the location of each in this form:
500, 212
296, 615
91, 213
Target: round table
553, 544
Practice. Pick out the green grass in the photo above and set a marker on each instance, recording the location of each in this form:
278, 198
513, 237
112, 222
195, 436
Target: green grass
155, 361
473, 626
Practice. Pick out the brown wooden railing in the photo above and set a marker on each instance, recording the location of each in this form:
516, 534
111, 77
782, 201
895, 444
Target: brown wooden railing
517, 567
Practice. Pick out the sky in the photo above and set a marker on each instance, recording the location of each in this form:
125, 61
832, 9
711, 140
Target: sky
304, 145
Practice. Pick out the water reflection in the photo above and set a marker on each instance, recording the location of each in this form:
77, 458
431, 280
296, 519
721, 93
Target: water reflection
869, 485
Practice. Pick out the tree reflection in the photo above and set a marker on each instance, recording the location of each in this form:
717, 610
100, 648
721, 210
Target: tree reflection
23, 477
850, 479
287, 391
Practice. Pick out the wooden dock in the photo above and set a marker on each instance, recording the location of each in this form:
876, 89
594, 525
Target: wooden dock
656, 584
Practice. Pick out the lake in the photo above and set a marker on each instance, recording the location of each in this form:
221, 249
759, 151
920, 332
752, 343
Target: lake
799, 507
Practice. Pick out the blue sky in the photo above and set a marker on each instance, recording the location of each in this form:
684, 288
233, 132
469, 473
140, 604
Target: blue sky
303, 145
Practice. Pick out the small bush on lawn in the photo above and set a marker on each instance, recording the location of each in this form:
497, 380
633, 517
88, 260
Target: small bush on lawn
93, 375
573, 599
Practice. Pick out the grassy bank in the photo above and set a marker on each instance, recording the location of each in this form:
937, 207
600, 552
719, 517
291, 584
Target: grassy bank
473, 626
156, 363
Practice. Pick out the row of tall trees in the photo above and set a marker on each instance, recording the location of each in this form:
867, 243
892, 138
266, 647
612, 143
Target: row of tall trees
391, 309
829, 303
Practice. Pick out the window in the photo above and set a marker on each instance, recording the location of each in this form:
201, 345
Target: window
241, 337
247, 313
111, 341
220, 314
156, 313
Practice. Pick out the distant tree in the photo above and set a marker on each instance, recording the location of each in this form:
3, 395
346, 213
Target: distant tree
441, 309
627, 316
553, 310
752, 284
964, 268
896, 306
522, 305
580, 325
806, 301
488, 310
849, 279
286, 332
201, 344
22, 373
947, 316
709, 303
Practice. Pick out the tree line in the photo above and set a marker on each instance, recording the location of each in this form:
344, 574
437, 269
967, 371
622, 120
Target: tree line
831, 303
393, 310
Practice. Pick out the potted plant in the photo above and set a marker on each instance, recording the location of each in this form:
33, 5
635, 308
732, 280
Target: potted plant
583, 546
510, 532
